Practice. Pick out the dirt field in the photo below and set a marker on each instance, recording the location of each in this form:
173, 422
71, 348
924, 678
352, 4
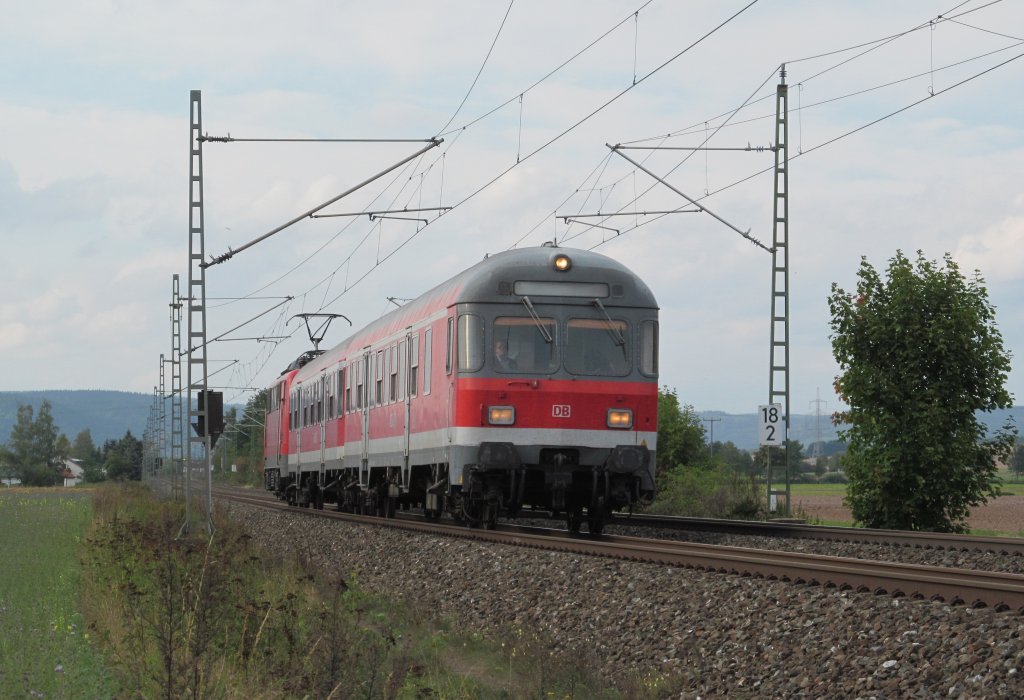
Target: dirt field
1004, 514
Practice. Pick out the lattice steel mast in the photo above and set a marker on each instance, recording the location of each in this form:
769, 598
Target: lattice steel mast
778, 376
197, 361
161, 417
177, 420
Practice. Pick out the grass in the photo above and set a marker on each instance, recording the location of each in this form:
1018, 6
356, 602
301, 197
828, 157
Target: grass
217, 617
45, 650
816, 489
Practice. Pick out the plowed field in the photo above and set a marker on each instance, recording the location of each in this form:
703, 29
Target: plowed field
1004, 514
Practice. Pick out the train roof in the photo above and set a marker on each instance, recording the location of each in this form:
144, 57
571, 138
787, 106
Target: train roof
493, 280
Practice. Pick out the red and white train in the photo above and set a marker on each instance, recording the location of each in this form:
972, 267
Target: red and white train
530, 379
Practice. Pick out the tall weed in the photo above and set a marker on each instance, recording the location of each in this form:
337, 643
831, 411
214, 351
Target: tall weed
202, 616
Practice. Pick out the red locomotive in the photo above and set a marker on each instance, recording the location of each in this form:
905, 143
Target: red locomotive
530, 379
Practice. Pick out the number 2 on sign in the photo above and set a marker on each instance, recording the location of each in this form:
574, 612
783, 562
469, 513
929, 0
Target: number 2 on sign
768, 428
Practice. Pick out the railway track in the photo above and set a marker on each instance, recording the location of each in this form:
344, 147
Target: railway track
924, 540
1000, 591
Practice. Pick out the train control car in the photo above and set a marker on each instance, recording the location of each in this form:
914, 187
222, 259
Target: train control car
528, 380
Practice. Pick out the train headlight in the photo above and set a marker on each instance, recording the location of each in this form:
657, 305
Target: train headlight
620, 418
501, 415
562, 262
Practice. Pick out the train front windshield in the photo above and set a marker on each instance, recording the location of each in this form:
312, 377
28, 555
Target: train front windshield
525, 345
597, 346
581, 346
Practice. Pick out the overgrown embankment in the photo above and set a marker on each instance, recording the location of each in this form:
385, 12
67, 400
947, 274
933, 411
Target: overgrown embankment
214, 617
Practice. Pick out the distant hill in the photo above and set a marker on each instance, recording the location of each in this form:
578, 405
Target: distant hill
107, 414
741, 429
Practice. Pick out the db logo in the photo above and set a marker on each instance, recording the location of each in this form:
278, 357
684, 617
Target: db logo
560, 410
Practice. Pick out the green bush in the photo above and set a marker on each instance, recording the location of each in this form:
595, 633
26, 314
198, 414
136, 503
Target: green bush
718, 492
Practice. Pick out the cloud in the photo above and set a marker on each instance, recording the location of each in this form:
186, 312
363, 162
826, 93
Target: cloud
13, 335
162, 263
93, 177
995, 252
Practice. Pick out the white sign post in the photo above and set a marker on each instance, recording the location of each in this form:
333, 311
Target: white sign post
769, 430
771, 433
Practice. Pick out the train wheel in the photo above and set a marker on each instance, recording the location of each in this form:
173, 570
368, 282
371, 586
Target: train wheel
597, 515
574, 518
489, 515
434, 514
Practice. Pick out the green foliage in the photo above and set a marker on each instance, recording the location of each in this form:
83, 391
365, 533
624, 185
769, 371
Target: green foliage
680, 433
714, 492
696, 479
242, 443
1017, 461
216, 617
45, 645
738, 460
84, 449
122, 459
919, 354
795, 460
32, 452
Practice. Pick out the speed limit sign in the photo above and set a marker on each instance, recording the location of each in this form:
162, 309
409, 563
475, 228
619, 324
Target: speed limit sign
770, 430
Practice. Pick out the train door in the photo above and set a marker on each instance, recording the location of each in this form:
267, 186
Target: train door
449, 368
408, 362
281, 423
299, 424
322, 416
362, 396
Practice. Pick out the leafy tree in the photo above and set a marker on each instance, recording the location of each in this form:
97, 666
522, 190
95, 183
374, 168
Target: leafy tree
919, 354
680, 433
123, 459
820, 465
835, 462
242, 444
62, 448
32, 449
20, 450
84, 449
1017, 461
796, 458
740, 461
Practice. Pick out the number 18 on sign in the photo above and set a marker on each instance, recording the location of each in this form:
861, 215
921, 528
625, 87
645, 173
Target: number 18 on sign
770, 430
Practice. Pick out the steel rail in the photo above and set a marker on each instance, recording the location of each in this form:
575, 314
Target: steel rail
924, 540
1001, 591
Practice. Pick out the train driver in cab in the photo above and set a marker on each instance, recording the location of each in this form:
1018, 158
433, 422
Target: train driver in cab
502, 361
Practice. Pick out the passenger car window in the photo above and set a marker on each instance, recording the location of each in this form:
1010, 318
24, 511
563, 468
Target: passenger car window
471, 342
649, 347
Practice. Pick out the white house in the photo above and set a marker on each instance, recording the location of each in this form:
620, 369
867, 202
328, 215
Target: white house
73, 472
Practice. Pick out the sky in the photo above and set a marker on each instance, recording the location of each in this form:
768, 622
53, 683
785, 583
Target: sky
527, 96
